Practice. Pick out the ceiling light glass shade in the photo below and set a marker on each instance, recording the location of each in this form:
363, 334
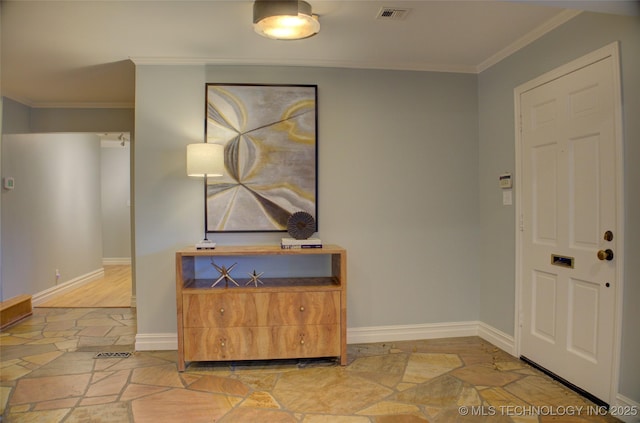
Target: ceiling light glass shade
284, 19
205, 159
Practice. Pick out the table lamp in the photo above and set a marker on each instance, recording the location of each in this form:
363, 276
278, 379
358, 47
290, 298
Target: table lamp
205, 160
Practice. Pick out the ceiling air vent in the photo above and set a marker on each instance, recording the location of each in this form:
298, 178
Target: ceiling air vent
392, 13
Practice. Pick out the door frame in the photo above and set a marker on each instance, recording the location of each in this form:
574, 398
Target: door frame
612, 50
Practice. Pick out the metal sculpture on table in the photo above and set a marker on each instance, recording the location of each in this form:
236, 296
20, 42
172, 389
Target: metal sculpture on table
225, 274
255, 278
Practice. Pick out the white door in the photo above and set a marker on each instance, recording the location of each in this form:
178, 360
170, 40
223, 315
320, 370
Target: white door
568, 206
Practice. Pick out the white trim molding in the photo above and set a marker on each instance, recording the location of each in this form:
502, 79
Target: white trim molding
365, 335
498, 338
320, 63
53, 292
156, 342
490, 334
371, 334
525, 40
624, 404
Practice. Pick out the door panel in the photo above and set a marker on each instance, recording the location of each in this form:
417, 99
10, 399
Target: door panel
585, 194
583, 319
544, 306
568, 202
544, 174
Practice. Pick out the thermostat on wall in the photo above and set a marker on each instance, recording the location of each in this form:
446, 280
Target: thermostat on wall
8, 183
505, 181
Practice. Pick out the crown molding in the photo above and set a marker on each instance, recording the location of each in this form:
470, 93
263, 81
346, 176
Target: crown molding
200, 61
525, 40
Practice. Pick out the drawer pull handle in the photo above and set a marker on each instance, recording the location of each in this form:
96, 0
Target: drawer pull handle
222, 343
222, 311
301, 308
302, 342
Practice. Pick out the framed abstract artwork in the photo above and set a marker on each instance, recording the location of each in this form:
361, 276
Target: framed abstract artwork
269, 133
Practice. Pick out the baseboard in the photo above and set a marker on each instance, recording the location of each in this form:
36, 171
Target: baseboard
156, 341
497, 337
629, 410
106, 261
366, 335
53, 292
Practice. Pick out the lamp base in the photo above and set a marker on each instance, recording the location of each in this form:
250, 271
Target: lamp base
205, 245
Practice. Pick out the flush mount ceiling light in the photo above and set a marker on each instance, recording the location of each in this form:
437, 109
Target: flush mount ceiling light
284, 19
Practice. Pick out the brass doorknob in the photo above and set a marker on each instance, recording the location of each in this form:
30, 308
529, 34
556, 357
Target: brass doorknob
605, 254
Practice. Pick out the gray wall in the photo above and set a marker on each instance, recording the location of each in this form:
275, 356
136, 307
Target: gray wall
397, 187
116, 207
583, 34
52, 219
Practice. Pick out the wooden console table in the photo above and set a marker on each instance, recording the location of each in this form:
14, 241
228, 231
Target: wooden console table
284, 317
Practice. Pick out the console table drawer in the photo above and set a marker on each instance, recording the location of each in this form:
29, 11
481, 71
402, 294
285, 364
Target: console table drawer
222, 309
230, 309
254, 343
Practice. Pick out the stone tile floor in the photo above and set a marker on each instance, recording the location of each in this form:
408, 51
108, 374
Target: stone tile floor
49, 373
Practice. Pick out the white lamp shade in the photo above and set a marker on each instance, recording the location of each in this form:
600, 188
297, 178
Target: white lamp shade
205, 159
